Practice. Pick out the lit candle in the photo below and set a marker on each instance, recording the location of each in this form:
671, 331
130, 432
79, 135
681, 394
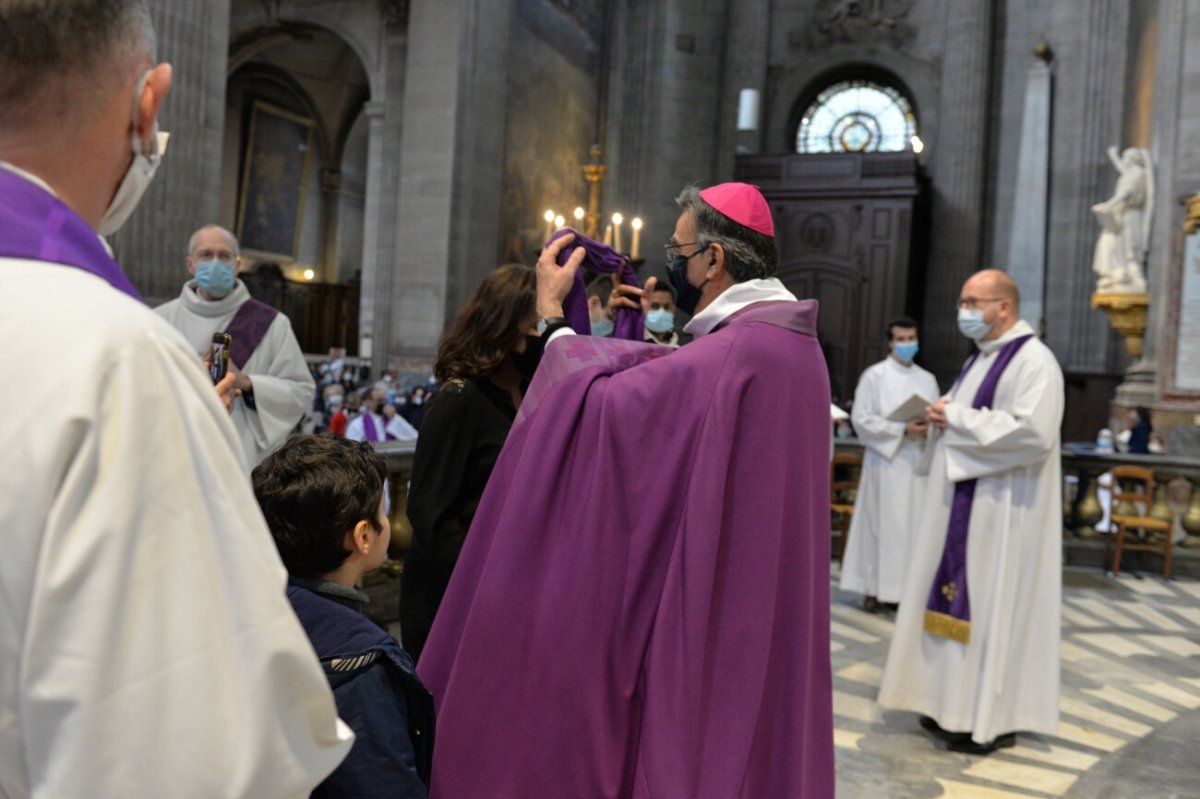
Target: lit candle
617, 220
608, 235
578, 216
549, 217
636, 224
559, 222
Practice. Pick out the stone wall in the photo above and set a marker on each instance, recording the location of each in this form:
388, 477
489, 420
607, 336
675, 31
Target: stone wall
548, 124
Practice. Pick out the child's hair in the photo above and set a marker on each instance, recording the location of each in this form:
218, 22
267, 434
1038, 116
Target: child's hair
312, 491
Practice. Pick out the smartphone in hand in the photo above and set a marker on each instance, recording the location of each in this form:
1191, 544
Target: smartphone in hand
219, 355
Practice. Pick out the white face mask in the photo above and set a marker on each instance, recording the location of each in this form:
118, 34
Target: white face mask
148, 154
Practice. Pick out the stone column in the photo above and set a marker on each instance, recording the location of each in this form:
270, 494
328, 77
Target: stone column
378, 212
193, 36
1027, 246
1164, 258
957, 169
385, 127
330, 181
450, 161
1089, 41
663, 126
478, 184
749, 44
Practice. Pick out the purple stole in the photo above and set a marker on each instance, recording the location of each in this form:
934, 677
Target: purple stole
948, 609
369, 431
629, 324
247, 328
37, 226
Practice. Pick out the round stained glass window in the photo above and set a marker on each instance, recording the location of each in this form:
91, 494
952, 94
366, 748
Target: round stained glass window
857, 116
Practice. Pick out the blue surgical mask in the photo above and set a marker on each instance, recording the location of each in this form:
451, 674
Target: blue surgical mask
602, 327
215, 277
660, 320
906, 350
971, 324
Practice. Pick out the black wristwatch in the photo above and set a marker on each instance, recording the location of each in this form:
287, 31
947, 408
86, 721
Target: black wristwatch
548, 325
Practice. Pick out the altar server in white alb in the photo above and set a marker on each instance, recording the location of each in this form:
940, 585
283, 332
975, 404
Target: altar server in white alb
975, 649
146, 644
379, 421
274, 383
885, 509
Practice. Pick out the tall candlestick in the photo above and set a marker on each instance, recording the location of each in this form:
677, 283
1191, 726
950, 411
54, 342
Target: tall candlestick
636, 224
617, 219
608, 235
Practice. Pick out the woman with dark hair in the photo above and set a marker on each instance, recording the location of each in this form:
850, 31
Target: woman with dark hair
483, 367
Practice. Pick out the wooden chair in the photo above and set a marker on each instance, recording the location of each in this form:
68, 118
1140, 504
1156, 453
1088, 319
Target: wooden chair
1133, 487
848, 468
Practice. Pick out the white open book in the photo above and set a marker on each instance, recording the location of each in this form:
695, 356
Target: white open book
912, 408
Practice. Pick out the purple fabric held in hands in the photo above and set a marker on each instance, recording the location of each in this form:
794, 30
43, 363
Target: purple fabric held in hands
601, 258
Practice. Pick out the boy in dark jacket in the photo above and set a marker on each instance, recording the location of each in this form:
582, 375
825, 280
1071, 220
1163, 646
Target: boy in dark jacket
324, 501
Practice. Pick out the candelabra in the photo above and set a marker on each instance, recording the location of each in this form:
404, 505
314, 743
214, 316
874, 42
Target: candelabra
588, 221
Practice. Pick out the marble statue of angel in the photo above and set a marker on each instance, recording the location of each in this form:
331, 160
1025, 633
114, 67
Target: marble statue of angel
1125, 224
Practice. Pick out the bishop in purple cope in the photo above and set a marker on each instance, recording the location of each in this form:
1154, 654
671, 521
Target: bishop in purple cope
641, 608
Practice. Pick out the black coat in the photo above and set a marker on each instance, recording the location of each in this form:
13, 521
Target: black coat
463, 430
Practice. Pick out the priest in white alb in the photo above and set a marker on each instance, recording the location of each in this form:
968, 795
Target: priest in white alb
147, 648
887, 501
379, 421
976, 645
273, 380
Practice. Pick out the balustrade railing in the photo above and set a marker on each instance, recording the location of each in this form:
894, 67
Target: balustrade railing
1176, 498
1176, 493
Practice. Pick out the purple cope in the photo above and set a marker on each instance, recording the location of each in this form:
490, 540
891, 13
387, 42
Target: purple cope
641, 608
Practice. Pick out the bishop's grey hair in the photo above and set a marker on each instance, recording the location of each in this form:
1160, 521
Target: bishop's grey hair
748, 253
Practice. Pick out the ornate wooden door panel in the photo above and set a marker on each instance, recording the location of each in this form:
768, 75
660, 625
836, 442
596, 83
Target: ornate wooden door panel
844, 228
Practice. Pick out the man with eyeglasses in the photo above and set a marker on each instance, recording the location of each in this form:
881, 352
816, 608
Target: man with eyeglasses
975, 649
642, 606
274, 384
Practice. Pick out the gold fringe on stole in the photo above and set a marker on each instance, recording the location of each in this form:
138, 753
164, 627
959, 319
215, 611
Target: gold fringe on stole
947, 626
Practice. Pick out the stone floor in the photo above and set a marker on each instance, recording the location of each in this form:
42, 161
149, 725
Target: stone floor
1130, 704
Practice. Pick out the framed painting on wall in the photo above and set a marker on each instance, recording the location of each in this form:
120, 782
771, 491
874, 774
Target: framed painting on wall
274, 179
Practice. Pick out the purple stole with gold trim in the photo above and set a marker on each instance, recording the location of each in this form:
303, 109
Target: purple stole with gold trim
948, 609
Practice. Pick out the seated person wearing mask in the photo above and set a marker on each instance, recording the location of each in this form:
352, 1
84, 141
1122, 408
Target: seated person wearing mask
324, 501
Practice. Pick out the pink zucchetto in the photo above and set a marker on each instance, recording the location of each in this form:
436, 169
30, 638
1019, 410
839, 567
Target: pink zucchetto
742, 203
